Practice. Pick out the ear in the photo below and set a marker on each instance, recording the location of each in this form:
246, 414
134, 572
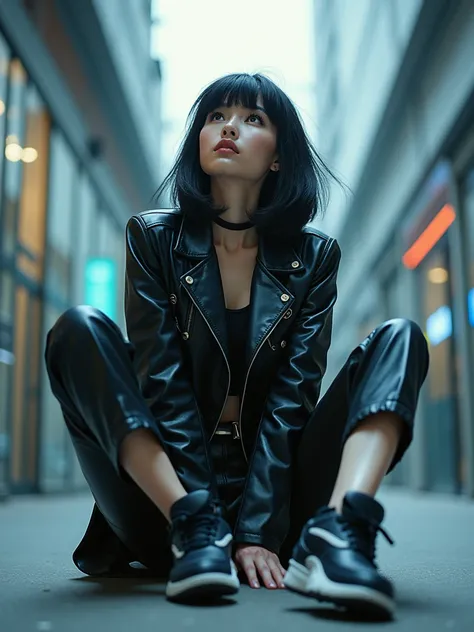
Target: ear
275, 166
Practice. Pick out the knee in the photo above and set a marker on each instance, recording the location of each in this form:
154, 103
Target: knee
404, 327
406, 331
77, 319
73, 326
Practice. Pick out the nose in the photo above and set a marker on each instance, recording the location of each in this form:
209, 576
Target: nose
230, 130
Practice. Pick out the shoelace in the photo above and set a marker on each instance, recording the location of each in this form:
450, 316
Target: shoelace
362, 532
198, 530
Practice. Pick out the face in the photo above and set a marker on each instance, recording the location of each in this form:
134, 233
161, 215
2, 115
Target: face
238, 142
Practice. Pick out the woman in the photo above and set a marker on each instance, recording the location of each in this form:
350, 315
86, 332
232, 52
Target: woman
208, 419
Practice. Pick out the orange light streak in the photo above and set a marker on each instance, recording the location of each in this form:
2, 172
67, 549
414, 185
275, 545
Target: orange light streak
429, 237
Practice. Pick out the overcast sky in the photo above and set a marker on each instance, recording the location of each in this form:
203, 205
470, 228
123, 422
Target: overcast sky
200, 40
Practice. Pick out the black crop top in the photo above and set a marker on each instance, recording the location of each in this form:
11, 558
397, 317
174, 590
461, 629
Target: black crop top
237, 334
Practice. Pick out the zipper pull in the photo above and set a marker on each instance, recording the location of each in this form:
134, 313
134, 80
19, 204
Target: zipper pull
235, 430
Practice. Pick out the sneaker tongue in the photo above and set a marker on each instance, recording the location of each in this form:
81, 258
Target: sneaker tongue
364, 506
190, 504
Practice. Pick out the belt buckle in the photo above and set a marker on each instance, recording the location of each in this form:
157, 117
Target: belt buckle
234, 432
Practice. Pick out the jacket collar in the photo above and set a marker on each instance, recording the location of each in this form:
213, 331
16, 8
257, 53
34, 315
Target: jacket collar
195, 241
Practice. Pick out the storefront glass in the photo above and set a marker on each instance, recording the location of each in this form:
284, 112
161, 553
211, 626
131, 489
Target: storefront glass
4, 65
391, 302
15, 83
13, 167
54, 228
54, 449
30, 158
443, 454
63, 187
6, 291
469, 217
64, 215
112, 251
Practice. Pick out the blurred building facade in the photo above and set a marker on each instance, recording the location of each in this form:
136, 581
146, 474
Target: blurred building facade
396, 121
79, 123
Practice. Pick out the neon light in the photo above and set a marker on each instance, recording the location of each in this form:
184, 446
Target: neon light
439, 325
429, 237
101, 285
470, 306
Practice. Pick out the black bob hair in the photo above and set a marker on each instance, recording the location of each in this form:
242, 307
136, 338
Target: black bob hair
290, 197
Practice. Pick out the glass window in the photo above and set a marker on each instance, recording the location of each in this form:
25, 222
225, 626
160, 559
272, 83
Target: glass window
6, 373
61, 205
442, 438
25, 391
4, 65
469, 249
32, 218
6, 297
87, 236
14, 143
109, 261
391, 304
54, 436
469, 214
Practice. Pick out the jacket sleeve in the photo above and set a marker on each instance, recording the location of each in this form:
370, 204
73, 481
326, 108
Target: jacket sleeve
264, 513
158, 360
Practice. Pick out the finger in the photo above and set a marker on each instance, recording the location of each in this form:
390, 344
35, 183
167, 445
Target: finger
265, 572
275, 569
249, 569
237, 562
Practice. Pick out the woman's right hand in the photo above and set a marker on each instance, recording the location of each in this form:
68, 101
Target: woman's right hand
256, 561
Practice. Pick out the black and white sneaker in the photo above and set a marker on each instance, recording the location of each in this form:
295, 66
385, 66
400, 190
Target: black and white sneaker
334, 559
201, 542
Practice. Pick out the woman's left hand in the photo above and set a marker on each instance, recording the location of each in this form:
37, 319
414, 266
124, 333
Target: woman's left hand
256, 561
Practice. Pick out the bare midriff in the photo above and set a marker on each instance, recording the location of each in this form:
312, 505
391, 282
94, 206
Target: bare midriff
231, 409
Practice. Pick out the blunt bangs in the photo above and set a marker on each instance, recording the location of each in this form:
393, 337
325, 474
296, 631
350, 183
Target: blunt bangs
243, 90
289, 198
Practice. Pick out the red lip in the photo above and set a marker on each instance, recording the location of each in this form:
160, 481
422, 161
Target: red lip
226, 144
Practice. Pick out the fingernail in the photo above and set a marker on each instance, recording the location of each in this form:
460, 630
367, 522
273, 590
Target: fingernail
255, 584
272, 585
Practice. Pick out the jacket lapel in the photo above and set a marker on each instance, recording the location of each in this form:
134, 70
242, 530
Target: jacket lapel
202, 280
203, 283
270, 298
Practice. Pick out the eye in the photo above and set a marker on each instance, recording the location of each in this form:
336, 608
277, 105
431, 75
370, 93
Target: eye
256, 118
213, 116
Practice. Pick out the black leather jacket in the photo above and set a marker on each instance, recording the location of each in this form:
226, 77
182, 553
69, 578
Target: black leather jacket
175, 315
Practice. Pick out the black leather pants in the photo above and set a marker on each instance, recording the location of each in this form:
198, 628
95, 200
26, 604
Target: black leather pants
91, 374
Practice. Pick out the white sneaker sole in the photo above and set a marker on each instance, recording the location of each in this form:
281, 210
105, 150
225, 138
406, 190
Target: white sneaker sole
312, 581
204, 585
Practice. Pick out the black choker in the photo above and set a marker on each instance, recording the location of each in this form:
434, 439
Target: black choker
231, 225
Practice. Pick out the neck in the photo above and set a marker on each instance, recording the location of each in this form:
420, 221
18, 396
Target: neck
240, 200
233, 240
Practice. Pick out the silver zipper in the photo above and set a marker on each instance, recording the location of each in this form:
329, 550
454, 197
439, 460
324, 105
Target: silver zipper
226, 361
247, 377
188, 324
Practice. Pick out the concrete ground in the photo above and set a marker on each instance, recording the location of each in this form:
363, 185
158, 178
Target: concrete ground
432, 565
